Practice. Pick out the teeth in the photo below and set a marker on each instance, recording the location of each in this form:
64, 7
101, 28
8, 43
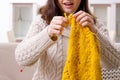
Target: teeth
68, 3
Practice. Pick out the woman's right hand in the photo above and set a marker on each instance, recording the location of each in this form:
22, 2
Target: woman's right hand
57, 25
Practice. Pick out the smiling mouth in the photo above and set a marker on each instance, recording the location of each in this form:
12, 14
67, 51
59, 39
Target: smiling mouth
68, 5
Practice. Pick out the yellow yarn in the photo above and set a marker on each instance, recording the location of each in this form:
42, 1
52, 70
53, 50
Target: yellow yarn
83, 59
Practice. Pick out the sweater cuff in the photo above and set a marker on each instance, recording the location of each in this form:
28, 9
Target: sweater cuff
46, 36
37, 45
44, 40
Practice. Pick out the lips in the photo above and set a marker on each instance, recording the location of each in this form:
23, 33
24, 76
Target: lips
68, 5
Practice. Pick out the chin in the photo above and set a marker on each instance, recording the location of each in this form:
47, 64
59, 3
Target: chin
68, 11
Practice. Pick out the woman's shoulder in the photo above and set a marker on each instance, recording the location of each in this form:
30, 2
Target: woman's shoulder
39, 20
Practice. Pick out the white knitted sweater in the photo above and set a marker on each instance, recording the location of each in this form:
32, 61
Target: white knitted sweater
51, 55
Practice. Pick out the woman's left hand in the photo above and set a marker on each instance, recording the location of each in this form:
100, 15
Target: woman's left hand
85, 19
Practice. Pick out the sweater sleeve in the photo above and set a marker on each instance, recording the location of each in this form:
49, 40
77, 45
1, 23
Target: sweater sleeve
35, 43
110, 52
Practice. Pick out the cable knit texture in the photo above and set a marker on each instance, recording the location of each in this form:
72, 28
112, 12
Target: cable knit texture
50, 55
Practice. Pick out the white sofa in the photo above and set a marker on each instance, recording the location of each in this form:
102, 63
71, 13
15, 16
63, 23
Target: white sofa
9, 69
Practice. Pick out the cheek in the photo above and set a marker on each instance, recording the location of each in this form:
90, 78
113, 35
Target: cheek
60, 3
77, 4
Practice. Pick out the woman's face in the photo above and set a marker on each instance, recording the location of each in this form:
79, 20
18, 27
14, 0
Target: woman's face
69, 6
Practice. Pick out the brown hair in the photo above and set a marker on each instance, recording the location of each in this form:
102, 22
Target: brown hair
51, 9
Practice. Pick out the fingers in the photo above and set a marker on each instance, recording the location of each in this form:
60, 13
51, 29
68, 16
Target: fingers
57, 25
55, 32
55, 29
79, 15
59, 20
86, 21
84, 18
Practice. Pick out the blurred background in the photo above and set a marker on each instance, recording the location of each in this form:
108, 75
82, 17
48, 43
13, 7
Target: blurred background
16, 17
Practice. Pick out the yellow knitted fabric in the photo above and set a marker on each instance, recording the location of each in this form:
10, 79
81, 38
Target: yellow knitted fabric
83, 59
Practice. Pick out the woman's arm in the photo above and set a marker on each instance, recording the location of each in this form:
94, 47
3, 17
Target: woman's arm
110, 53
35, 43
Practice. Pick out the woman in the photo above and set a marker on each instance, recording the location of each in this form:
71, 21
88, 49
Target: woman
47, 39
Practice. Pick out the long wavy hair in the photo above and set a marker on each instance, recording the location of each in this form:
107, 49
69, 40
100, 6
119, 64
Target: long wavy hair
51, 9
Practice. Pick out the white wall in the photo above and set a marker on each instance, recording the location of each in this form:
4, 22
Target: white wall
104, 1
6, 15
5, 23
